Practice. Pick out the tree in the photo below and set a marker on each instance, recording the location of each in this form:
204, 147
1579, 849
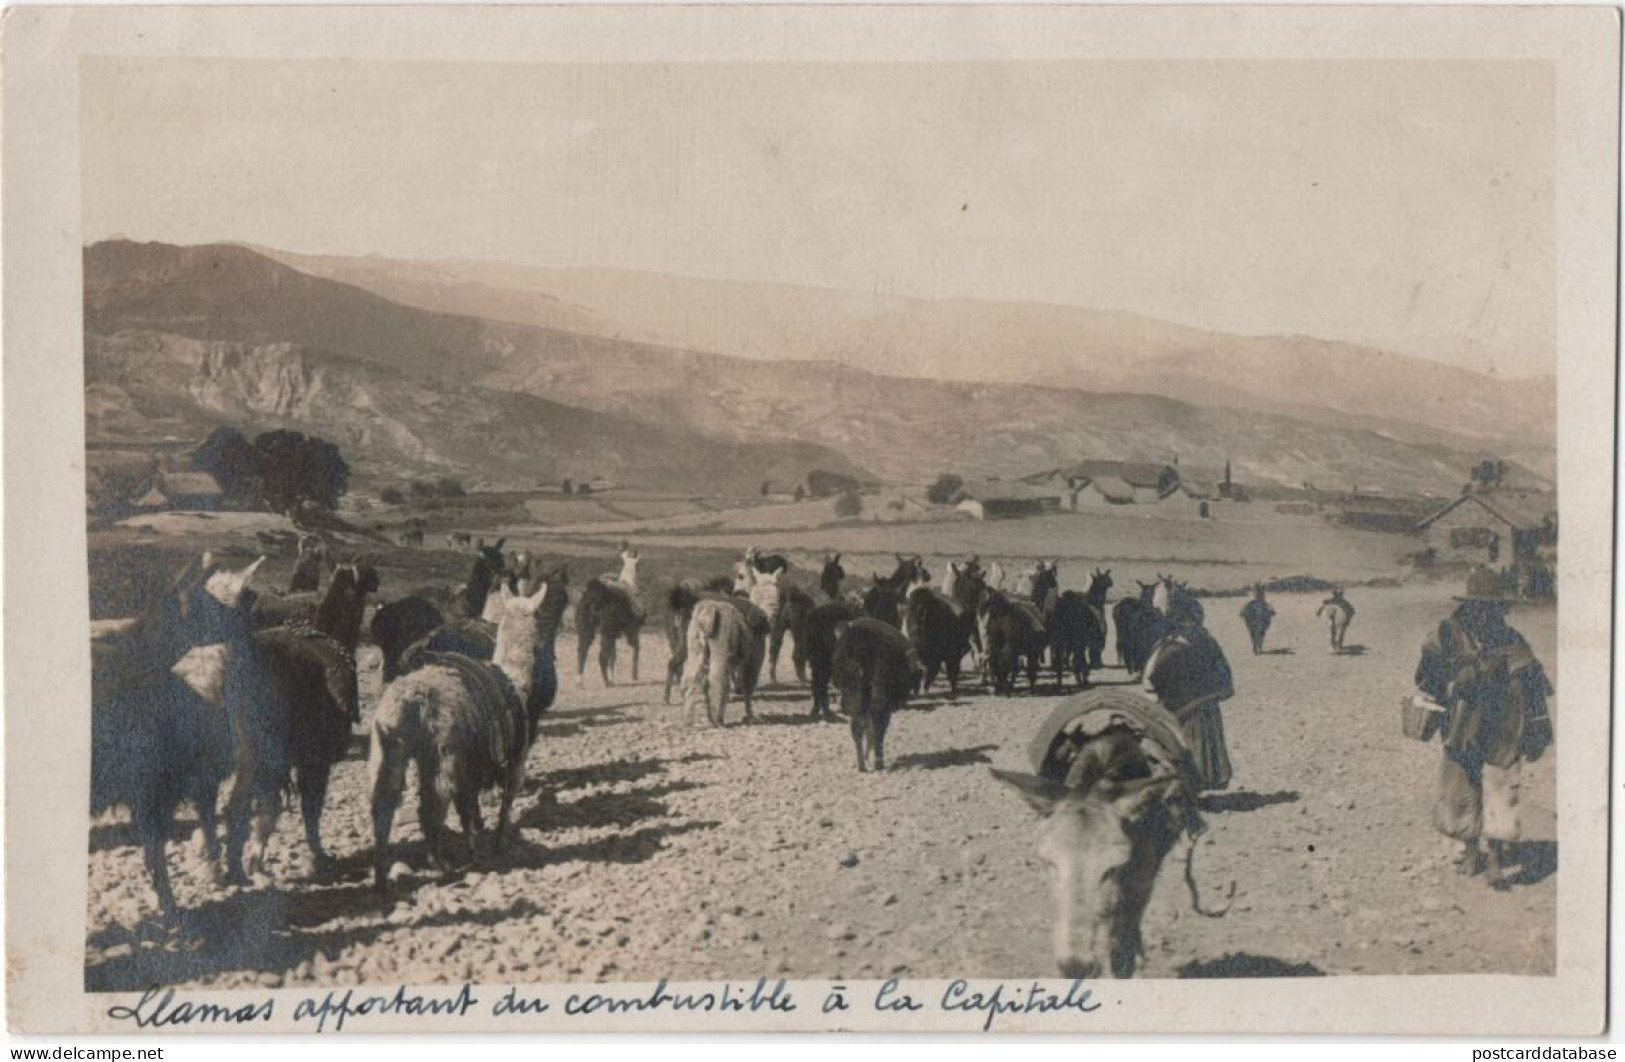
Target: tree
1487, 473
767, 487
943, 490
822, 483
848, 505
449, 487
801, 492
392, 496
294, 469
569, 488
229, 458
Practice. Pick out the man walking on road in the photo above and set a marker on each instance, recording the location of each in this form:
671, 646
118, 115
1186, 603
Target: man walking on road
1494, 694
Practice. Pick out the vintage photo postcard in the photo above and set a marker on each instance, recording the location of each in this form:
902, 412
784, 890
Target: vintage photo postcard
950, 519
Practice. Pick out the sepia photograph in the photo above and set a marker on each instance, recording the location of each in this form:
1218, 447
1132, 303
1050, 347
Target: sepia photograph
738, 522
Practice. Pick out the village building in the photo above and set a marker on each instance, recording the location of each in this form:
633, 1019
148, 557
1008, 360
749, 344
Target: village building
996, 499
1098, 493
180, 490
1089, 484
1494, 529
1191, 498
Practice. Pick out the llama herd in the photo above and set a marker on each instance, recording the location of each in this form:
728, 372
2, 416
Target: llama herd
219, 686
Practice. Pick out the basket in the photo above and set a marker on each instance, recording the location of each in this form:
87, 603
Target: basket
1420, 718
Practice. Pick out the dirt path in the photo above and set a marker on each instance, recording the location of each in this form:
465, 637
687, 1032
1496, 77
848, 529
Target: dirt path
650, 849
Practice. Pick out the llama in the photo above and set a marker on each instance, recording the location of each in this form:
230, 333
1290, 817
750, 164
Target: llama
467, 725
307, 567
610, 609
873, 671
295, 698
829, 580
161, 732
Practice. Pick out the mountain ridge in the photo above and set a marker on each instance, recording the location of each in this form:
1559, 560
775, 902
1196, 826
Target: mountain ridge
1070, 346
900, 428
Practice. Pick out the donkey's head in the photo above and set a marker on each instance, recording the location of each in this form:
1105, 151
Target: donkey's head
1104, 834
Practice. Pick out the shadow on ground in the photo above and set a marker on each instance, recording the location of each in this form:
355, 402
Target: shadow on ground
1218, 802
1244, 964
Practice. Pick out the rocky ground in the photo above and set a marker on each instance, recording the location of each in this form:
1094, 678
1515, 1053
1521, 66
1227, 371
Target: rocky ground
650, 849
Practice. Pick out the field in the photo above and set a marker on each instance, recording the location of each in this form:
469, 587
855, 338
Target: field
648, 848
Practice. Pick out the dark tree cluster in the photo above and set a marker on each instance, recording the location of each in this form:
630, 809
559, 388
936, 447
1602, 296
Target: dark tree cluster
822, 483
944, 490
280, 470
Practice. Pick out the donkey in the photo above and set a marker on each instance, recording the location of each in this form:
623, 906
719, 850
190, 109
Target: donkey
1115, 789
160, 727
467, 725
297, 697
872, 669
610, 610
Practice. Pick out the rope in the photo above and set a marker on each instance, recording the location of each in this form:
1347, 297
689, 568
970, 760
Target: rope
1190, 883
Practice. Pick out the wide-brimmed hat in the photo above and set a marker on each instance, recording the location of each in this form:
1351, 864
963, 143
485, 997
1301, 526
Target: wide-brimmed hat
1484, 584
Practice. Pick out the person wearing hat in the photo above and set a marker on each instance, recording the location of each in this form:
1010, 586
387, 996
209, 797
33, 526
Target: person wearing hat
1342, 614
1257, 614
1494, 694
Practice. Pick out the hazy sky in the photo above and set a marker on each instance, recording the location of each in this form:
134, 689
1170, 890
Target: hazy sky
1402, 204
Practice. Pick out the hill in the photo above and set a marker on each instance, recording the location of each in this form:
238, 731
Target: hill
902, 428
981, 340
149, 385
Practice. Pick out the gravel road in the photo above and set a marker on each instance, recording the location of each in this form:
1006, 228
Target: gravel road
648, 849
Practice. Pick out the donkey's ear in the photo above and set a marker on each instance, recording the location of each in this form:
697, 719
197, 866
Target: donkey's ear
499, 543
837, 558
1041, 794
